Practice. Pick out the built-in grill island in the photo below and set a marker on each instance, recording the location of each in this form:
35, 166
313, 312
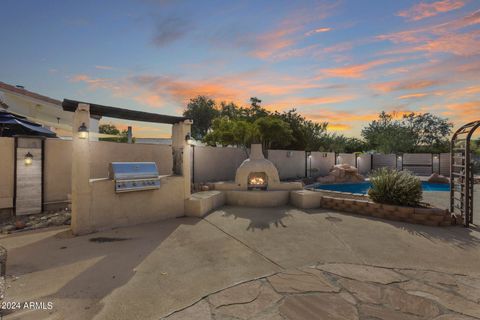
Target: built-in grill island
134, 176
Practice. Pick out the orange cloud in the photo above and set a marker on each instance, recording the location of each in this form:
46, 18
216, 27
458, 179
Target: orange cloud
354, 71
152, 100
307, 102
333, 116
424, 10
272, 42
460, 44
338, 127
319, 30
290, 30
439, 38
404, 85
413, 95
467, 111
463, 92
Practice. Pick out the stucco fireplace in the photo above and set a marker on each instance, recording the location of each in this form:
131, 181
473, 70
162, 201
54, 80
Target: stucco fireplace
256, 175
257, 184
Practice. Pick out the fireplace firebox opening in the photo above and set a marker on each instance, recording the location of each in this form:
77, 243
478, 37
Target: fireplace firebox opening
257, 181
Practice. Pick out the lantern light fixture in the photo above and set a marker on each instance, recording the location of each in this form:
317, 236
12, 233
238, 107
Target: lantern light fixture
83, 131
28, 158
188, 138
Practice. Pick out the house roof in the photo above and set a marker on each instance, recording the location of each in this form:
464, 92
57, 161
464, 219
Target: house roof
27, 93
14, 124
119, 113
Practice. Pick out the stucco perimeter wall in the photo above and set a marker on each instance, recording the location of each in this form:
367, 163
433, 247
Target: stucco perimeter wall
384, 160
364, 164
418, 163
346, 158
58, 170
445, 164
109, 209
321, 163
7, 169
216, 163
103, 152
290, 164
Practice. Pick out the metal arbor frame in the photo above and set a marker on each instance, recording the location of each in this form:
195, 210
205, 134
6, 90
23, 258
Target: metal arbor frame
461, 173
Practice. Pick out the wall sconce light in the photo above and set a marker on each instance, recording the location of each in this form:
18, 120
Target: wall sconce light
83, 131
188, 138
28, 158
399, 157
310, 156
325, 155
435, 157
289, 154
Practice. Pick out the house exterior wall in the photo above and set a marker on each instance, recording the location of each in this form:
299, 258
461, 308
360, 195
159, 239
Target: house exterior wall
48, 113
7, 172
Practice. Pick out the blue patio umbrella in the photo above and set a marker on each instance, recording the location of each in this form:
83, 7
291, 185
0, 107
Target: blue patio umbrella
12, 124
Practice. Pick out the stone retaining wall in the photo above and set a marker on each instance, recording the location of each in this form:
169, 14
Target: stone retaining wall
425, 216
307, 199
341, 195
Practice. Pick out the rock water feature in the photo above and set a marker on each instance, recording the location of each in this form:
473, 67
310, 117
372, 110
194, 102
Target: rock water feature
342, 173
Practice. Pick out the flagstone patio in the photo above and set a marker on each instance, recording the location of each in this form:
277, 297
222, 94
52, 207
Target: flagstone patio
271, 263
341, 292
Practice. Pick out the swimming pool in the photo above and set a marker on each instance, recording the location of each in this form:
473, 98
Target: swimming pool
362, 187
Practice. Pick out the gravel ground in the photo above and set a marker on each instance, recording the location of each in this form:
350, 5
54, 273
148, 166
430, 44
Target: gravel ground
36, 221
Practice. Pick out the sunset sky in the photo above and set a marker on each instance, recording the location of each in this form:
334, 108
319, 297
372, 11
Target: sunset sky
336, 61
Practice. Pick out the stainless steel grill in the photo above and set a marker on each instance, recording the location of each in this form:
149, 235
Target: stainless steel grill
134, 176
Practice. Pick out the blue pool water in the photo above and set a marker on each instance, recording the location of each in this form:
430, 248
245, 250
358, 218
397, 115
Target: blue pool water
362, 187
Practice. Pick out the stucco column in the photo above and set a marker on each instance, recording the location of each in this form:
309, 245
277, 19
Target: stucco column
182, 153
81, 193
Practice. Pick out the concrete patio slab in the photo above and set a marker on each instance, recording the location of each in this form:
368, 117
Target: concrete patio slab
292, 238
149, 271
141, 272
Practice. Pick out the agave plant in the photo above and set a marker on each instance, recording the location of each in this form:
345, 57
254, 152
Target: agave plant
395, 187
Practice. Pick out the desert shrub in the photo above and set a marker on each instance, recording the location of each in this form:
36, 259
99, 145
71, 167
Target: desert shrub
395, 187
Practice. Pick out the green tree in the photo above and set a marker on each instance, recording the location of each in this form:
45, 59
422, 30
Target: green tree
241, 133
388, 136
414, 133
111, 129
333, 142
271, 130
255, 111
306, 134
431, 132
202, 110
231, 110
